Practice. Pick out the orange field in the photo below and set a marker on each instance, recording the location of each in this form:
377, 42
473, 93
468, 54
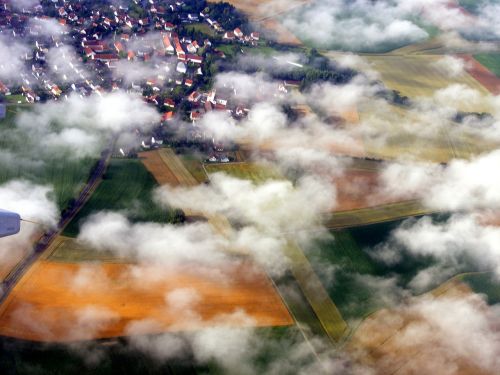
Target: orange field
61, 302
482, 74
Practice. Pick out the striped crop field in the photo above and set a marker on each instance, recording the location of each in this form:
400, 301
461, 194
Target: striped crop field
377, 214
322, 305
418, 75
248, 171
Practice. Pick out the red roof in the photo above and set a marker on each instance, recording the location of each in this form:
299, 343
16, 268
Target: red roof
106, 57
167, 116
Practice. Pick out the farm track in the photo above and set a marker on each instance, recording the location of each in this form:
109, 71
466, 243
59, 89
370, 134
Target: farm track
327, 313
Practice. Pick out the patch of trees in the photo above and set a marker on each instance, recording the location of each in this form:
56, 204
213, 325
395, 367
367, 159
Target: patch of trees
394, 97
460, 117
228, 16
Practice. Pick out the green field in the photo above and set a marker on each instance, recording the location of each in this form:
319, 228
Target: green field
195, 166
202, 28
118, 357
485, 283
353, 277
491, 61
20, 159
126, 187
248, 171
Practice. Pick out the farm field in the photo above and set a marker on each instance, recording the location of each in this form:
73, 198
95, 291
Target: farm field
267, 14
66, 174
418, 76
126, 185
401, 137
50, 359
484, 283
195, 167
359, 188
375, 214
67, 249
380, 340
79, 302
248, 171
328, 314
486, 69
258, 9
491, 61
348, 268
167, 168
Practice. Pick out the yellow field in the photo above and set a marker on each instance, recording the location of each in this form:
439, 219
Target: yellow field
418, 75
321, 303
372, 215
247, 171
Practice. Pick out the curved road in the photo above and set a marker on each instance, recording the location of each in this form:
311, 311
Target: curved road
95, 178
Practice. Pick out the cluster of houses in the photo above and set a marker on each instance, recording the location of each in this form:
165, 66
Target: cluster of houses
105, 37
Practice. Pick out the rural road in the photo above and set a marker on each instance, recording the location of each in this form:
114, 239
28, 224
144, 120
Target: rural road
94, 179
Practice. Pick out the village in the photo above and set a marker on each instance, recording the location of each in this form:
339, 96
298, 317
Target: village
160, 49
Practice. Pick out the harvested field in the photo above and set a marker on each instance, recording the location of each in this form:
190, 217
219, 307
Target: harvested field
401, 341
247, 171
259, 9
418, 75
377, 214
60, 302
266, 13
157, 167
280, 33
482, 74
167, 168
360, 188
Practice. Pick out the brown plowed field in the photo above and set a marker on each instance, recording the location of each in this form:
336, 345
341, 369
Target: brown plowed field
482, 74
401, 340
58, 302
358, 188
